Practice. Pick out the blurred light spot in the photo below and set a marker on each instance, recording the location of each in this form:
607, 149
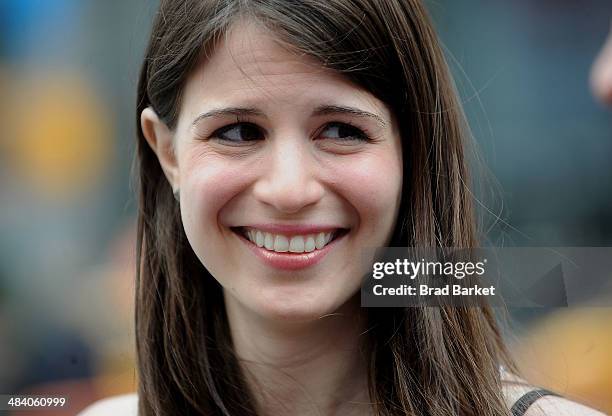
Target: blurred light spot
62, 138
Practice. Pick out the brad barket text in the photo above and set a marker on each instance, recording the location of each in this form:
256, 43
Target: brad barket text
425, 290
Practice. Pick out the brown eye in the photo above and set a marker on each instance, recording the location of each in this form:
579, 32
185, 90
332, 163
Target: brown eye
238, 132
343, 132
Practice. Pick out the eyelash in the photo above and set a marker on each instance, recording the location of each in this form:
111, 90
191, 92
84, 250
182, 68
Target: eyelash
361, 136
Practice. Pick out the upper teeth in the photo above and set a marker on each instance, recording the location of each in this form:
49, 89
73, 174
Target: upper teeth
294, 244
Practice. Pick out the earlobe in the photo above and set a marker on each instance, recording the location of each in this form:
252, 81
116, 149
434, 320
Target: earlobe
160, 138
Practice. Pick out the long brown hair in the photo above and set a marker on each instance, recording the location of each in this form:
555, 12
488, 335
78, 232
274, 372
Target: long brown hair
421, 361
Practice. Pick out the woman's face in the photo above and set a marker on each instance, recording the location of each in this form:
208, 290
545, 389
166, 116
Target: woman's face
272, 159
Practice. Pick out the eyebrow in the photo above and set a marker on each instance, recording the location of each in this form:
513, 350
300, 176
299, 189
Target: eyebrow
319, 111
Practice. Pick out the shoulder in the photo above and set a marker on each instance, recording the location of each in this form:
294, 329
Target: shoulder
515, 387
559, 406
123, 405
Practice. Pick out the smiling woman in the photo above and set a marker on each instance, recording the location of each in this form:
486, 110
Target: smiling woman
277, 139
270, 153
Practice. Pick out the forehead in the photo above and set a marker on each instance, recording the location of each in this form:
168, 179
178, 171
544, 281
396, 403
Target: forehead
251, 66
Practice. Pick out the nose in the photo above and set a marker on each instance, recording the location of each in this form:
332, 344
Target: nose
289, 181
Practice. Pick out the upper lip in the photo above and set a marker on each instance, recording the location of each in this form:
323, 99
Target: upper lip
293, 229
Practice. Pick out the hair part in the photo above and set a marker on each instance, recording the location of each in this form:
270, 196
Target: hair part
421, 361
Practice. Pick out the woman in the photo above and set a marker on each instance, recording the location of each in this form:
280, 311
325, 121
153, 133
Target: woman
276, 140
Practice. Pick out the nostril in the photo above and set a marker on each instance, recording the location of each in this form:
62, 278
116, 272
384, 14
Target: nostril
288, 196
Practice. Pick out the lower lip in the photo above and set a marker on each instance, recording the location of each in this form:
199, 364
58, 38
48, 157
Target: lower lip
290, 261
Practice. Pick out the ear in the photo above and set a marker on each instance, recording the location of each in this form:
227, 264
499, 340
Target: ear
159, 137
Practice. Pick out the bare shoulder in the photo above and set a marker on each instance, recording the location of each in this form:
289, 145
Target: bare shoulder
515, 387
123, 405
559, 406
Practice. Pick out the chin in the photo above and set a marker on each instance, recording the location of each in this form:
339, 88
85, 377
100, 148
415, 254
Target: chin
302, 307
296, 310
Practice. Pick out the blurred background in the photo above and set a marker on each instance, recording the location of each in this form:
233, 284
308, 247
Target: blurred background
68, 73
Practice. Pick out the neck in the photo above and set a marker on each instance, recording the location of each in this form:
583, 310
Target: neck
303, 368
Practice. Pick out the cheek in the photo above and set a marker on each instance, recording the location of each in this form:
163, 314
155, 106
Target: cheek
208, 183
372, 185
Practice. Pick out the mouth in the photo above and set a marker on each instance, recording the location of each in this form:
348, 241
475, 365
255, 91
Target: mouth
293, 244
290, 252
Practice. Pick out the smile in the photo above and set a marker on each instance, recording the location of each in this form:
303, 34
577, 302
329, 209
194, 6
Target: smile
290, 252
294, 244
